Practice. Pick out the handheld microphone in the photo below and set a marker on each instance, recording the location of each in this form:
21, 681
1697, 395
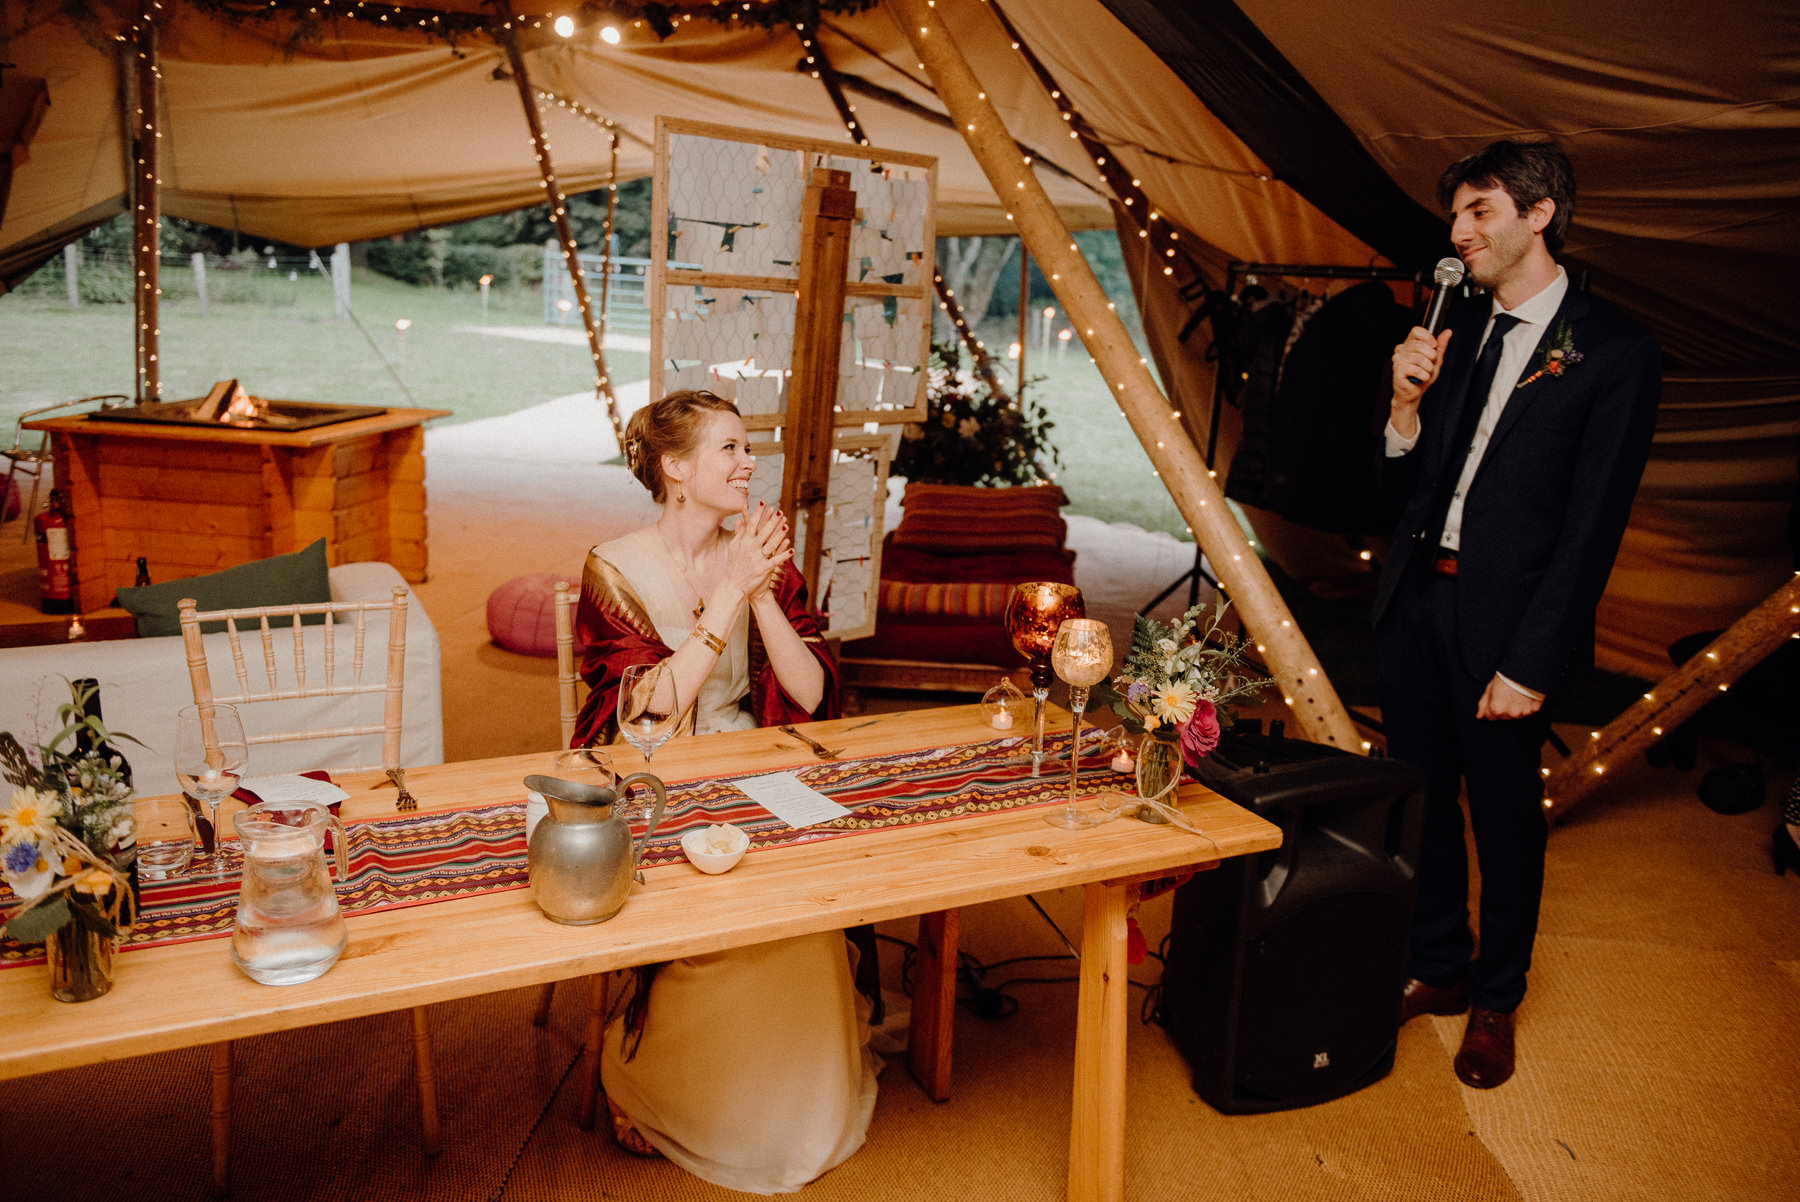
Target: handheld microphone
1447, 275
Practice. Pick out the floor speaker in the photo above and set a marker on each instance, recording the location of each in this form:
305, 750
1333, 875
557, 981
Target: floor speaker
1283, 971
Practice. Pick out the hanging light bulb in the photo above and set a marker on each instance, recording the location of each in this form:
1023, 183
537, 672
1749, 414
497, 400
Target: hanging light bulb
565, 26
610, 34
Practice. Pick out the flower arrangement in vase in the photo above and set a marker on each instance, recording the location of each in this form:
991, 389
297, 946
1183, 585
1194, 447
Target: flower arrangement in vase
1173, 688
971, 436
68, 836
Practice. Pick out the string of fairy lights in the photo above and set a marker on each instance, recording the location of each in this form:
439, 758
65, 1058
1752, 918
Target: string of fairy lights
146, 200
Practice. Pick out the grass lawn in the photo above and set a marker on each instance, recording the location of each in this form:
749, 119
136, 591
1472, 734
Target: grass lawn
283, 342
289, 346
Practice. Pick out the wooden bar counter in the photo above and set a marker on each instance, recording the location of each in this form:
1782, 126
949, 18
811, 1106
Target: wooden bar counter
195, 499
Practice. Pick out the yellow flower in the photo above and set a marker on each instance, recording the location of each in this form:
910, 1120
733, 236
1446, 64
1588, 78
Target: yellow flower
28, 814
95, 882
1174, 702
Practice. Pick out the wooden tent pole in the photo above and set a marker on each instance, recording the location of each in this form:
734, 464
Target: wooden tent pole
984, 366
559, 214
1674, 699
146, 247
1291, 661
1024, 293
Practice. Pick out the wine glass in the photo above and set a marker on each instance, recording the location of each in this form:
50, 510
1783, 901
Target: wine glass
649, 711
1082, 656
1033, 613
592, 766
210, 754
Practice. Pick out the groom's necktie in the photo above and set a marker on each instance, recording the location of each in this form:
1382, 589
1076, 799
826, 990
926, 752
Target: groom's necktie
1487, 363
1480, 384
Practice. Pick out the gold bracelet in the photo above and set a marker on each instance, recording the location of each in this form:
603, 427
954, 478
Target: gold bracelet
713, 642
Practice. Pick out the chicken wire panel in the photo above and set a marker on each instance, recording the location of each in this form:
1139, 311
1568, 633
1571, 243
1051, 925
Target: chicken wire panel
732, 203
850, 563
734, 206
736, 342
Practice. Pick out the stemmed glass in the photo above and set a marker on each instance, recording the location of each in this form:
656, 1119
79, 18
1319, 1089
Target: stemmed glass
649, 711
210, 754
1082, 656
592, 766
1033, 613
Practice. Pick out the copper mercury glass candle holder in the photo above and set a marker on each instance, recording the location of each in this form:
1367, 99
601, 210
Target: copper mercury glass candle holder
1033, 613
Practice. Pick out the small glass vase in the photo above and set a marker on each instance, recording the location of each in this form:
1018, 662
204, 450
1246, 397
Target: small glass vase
1158, 768
81, 962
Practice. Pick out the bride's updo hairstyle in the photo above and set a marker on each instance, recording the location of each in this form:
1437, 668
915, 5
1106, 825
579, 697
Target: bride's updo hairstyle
670, 426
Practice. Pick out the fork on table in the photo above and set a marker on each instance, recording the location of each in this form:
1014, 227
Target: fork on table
818, 749
405, 801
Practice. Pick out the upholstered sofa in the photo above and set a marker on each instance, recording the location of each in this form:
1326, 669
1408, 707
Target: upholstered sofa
947, 571
144, 683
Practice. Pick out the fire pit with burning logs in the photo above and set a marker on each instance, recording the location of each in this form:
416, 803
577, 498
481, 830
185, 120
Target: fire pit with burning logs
229, 405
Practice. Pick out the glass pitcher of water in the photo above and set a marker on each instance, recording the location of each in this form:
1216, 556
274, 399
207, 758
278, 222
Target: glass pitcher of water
288, 927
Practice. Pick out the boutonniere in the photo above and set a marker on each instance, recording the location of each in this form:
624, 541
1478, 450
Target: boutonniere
1559, 356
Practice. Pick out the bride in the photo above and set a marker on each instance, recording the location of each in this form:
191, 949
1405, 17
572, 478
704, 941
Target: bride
749, 1068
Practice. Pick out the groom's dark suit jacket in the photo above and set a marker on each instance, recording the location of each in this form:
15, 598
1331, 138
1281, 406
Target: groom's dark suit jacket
1545, 512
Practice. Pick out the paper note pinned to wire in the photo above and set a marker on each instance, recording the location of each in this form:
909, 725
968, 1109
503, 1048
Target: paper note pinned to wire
782, 794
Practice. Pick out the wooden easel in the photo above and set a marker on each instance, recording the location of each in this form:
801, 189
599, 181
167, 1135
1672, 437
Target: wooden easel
829, 207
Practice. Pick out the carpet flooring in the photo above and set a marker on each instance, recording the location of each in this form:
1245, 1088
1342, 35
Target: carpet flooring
1657, 1050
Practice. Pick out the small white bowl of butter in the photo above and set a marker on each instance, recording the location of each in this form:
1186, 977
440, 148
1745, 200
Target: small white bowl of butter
715, 849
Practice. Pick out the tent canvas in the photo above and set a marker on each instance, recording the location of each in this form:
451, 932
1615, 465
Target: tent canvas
1681, 127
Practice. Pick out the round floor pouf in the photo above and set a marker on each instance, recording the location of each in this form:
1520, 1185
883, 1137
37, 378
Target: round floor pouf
521, 614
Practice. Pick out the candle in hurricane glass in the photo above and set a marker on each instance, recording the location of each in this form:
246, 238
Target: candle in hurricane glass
1082, 655
1033, 613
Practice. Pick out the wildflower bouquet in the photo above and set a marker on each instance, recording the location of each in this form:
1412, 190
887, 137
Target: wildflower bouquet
1176, 678
67, 830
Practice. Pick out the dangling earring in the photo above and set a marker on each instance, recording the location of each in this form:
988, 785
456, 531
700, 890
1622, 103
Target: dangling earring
681, 498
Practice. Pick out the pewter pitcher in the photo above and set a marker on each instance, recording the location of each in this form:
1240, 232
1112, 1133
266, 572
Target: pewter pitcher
288, 926
582, 856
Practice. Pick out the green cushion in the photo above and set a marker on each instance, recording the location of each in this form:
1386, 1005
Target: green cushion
301, 578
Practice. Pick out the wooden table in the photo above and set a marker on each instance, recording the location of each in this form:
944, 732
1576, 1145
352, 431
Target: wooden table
190, 994
194, 499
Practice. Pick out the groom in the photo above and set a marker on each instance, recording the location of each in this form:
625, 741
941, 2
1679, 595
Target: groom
1515, 440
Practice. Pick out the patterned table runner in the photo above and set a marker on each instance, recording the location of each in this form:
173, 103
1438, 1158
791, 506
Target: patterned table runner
414, 859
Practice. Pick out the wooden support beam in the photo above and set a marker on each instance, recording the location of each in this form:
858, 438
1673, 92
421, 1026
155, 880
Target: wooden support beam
1294, 667
146, 245
1677, 697
825, 216
565, 237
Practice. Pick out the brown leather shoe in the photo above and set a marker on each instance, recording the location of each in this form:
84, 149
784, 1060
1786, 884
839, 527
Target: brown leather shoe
1419, 998
1486, 1058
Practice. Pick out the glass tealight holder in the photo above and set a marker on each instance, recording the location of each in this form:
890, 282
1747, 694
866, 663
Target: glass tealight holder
1006, 708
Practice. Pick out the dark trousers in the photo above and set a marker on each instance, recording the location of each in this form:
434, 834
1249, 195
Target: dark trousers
1428, 702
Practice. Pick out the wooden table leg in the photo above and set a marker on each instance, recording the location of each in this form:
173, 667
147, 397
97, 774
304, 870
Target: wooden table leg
1097, 1126
546, 994
934, 1003
430, 1137
593, 1035
221, 1119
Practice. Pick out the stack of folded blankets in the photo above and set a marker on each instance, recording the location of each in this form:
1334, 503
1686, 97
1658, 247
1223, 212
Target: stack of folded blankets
949, 567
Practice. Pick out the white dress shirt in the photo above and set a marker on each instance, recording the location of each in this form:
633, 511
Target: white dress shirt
1534, 317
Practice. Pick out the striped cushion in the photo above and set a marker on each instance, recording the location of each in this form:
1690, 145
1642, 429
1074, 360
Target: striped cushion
954, 520
960, 600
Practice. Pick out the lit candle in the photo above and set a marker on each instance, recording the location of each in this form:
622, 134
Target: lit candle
1122, 762
1002, 719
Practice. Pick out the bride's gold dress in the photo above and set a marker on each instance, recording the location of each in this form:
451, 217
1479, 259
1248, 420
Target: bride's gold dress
753, 1070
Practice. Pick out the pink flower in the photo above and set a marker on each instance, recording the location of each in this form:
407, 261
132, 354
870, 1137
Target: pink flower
1201, 733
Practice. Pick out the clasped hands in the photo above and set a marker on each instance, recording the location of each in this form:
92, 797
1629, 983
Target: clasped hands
758, 547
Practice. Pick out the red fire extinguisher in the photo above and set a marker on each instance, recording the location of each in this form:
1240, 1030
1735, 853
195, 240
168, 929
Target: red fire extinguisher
55, 549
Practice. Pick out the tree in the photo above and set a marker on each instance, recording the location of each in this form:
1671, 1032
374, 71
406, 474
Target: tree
971, 269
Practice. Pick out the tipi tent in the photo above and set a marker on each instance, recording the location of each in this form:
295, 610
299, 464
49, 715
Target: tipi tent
1265, 131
